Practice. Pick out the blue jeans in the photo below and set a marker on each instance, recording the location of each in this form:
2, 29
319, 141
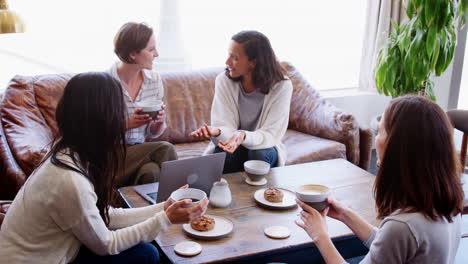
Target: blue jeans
235, 162
143, 253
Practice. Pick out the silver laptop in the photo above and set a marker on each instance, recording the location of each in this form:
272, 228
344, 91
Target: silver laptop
200, 172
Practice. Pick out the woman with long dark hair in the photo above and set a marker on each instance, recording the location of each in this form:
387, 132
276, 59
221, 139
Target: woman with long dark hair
417, 191
65, 203
250, 110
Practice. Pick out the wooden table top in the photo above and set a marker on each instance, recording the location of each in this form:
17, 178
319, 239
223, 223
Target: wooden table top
349, 183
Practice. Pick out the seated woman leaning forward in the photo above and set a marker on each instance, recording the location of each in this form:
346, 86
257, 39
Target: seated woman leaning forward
135, 45
250, 110
417, 191
62, 212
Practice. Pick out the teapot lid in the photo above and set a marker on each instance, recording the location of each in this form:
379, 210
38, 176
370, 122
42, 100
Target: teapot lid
221, 182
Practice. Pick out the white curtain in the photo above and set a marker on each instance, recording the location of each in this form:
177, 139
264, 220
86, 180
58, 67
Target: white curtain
380, 13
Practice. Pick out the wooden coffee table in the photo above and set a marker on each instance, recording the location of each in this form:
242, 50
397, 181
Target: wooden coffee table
349, 183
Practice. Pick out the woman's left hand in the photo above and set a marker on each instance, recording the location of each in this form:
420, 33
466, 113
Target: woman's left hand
169, 201
232, 143
161, 115
313, 222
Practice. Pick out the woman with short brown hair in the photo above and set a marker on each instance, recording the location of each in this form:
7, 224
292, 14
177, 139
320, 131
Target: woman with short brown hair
417, 191
135, 45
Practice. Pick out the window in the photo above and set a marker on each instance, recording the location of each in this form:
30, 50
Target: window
68, 36
322, 39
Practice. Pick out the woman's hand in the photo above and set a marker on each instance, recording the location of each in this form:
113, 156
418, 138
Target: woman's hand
232, 143
205, 132
180, 215
137, 119
161, 115
337, 209
157, 125
170, 201
313, 222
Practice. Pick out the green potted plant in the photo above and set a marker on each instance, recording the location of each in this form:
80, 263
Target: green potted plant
419, 48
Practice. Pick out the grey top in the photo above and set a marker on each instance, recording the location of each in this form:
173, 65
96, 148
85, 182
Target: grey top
412, 238
250, 108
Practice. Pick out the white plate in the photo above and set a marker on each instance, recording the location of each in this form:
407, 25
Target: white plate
278, 232
188, 248
223, 227
289, 199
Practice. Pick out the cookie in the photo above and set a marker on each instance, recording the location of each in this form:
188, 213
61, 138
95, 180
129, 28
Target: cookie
273, 195
204, 224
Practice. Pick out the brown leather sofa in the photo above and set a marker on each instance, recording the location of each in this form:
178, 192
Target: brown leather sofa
317, 129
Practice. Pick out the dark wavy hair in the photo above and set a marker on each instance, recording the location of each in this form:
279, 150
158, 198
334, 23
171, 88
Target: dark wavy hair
91, 131
419, 169
131, 37
268, 70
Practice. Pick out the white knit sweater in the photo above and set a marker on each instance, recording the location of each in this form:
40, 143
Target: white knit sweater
273, 121
55, 213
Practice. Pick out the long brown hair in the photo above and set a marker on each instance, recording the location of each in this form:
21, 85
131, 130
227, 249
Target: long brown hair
419, 170
91, 121
268, 70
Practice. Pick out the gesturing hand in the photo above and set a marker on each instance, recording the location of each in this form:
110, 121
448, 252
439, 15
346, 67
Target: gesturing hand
313, 222
205, 132
233, 142
179, 215
137, 119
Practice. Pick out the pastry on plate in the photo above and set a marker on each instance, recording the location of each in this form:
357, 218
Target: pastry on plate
204, 224
273, 195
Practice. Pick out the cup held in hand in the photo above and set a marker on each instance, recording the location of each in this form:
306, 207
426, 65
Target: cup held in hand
256, 170
314, 195
196, 195
151, 109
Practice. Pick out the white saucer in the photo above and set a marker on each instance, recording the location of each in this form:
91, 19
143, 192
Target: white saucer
278, 232
256, 183
188, 248
223, 227
289, 199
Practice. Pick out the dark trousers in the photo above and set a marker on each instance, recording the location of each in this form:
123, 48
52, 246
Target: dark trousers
143, 253
235, 162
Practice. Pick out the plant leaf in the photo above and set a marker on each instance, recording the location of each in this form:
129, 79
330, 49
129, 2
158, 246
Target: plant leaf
410, 9
431, 41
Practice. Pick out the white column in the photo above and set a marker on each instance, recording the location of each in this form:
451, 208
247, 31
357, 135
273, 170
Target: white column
172, 54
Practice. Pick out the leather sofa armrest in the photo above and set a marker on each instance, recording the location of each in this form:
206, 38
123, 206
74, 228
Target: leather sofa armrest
312, 114
324, 120
12, 176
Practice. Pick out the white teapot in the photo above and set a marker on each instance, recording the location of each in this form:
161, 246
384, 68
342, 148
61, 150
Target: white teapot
220, 194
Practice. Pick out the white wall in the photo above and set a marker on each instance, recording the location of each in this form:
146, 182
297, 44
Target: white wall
365, 105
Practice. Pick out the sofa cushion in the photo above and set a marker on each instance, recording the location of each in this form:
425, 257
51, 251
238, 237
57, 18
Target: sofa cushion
188, 96
300, 147
303, 147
